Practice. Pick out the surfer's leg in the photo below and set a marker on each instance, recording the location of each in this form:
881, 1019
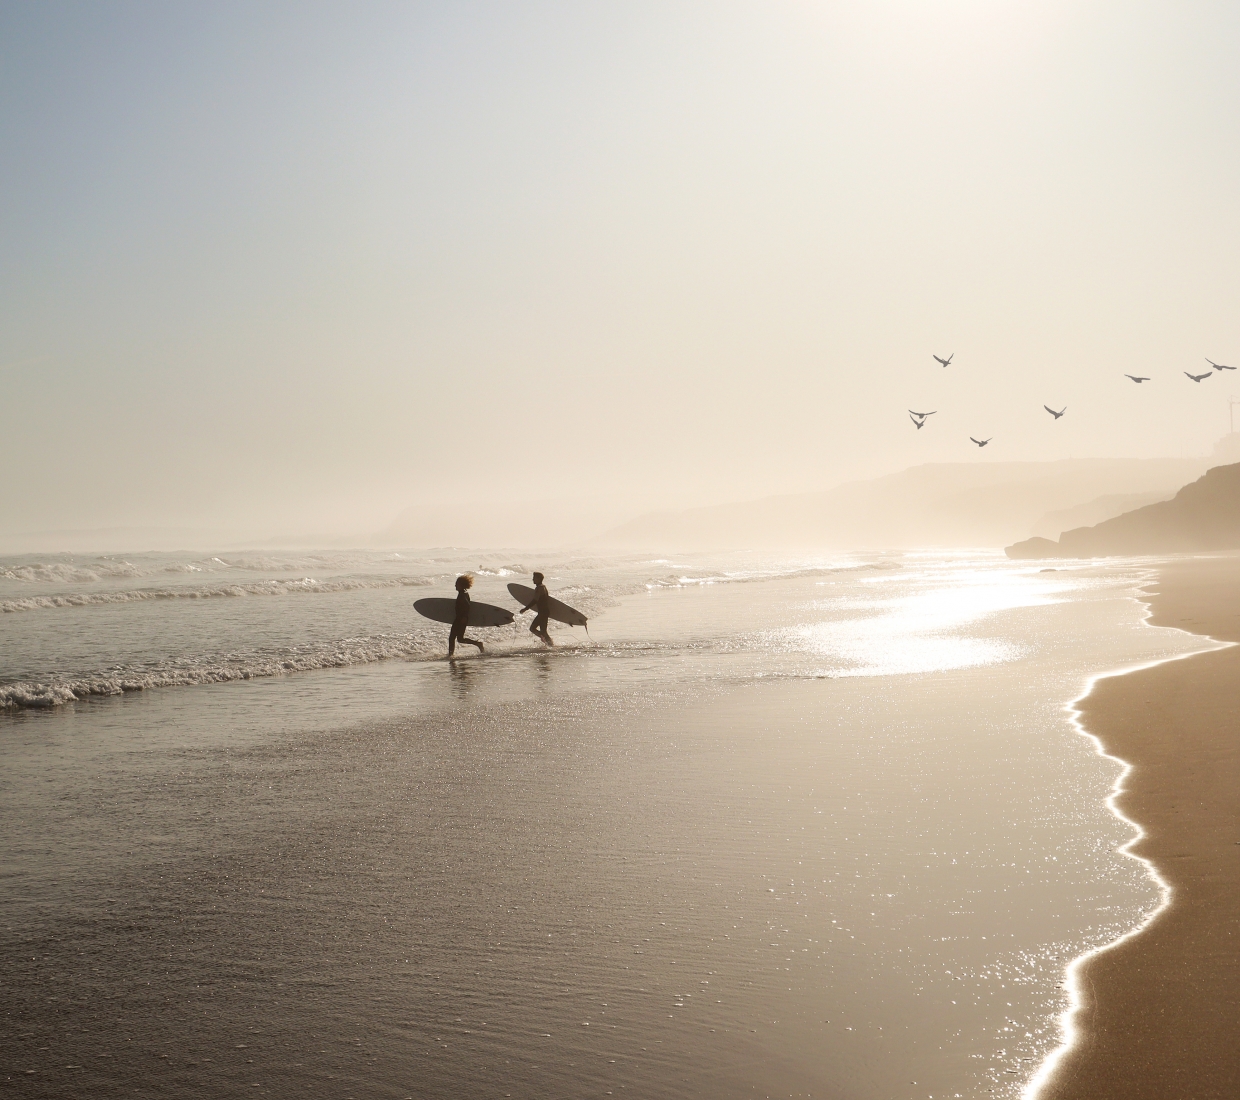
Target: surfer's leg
539, 627
473, 641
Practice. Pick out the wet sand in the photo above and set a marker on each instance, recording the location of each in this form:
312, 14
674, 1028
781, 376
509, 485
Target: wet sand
617, 870
1161, 1011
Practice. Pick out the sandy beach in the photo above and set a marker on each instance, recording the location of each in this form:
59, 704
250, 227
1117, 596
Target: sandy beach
789, 829
1160, 1011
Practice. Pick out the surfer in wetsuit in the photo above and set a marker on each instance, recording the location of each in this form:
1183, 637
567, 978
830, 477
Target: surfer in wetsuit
541, 600
463, 584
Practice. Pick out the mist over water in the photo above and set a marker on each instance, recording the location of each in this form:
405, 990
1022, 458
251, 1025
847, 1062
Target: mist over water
524, 273
810, 826
647, 276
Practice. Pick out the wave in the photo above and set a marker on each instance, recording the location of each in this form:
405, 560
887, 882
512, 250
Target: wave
60, 572
253, 588
751, 576
343, 653
101, 568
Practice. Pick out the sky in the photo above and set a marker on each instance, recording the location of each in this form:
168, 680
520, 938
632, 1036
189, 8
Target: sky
282, 269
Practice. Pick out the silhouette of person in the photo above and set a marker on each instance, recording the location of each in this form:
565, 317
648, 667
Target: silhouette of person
541, 600
463, 584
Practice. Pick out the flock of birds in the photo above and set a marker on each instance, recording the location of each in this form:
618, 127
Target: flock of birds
919, 418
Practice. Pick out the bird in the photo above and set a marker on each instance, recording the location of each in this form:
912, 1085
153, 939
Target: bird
1055, 414
1136, 378
1199, 377
946, 361
1218, 366
920, 423
981, 442
922, 416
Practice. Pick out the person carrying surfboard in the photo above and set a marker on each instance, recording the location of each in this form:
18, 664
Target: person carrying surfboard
541, 600
463, 584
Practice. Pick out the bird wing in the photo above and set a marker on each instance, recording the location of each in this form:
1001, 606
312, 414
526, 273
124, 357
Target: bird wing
1050, 410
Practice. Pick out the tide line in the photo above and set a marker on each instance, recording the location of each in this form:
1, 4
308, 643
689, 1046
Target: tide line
1069, 1027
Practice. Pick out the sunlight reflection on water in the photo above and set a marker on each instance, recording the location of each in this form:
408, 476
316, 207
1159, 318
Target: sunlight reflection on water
921, 631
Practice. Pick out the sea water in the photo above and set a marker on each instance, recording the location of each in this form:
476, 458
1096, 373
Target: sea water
804, 827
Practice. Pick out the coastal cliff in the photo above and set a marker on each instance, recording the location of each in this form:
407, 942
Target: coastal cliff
1202, 516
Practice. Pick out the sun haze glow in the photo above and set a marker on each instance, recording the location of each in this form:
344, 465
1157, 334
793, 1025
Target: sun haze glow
289, 270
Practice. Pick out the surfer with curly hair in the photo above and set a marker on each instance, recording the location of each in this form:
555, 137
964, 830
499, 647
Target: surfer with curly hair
463, 584
541, 601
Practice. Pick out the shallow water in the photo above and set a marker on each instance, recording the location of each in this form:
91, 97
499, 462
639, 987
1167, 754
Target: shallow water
780, 828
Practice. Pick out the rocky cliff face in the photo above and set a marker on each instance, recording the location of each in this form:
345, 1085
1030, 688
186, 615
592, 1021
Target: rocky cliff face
1202, 516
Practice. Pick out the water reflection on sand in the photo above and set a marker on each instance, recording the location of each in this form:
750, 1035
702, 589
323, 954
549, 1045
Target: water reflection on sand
783, 837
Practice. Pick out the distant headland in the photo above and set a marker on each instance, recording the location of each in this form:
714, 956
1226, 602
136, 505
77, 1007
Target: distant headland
1202, 516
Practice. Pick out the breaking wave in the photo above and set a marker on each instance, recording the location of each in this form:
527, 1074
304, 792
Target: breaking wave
62, 572
677, 580
251, 588
343, 653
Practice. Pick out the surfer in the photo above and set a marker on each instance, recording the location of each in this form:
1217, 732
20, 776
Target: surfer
463, 584
541, 599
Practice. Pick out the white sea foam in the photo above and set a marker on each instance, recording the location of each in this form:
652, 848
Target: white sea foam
342, 653
752, 576
53, 572
255, 588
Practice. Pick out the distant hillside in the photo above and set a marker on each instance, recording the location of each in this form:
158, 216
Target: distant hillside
1202, 516
1053, 524
936, 505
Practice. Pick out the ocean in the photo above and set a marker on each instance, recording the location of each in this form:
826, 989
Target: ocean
815, 826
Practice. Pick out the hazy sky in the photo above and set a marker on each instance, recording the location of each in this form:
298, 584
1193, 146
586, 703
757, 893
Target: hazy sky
298, 267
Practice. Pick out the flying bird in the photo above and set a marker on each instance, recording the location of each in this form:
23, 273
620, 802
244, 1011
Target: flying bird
922, 416
1136, 378
981, 442
947, 360
1218, 366
1199, 377
1055, 414
919, 423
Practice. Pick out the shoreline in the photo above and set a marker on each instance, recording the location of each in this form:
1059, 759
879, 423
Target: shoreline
1155, 1013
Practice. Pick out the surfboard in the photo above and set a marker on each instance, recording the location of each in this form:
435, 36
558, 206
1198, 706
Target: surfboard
560, 612
443, 610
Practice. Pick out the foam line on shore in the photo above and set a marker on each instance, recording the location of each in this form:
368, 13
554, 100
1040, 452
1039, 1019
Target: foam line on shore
1070, 1031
